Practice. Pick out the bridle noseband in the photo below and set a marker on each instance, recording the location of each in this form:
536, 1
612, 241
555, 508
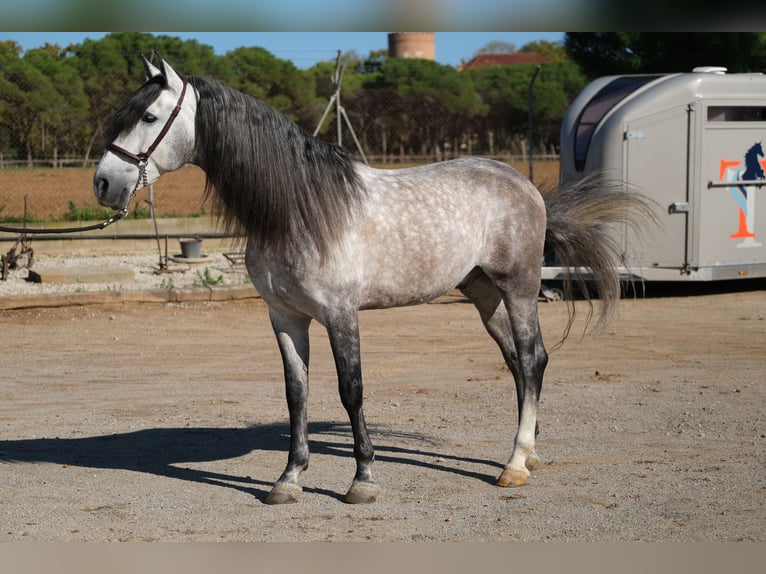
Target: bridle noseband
142, 159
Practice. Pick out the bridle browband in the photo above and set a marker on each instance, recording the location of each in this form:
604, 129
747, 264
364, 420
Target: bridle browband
140, 159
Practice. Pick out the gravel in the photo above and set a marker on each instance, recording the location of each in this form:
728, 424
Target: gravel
213, 269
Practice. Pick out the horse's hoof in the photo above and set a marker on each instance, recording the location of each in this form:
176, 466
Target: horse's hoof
533, 461
513, 477
362, 493
284, 494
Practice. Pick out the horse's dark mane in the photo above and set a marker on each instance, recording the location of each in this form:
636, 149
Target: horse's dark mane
134, 107
281, 186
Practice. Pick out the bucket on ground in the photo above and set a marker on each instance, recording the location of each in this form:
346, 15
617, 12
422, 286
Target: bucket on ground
191, 248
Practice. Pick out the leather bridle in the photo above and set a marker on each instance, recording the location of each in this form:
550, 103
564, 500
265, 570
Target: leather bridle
142, 159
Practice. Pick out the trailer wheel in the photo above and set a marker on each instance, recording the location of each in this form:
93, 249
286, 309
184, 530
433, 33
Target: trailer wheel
552, 293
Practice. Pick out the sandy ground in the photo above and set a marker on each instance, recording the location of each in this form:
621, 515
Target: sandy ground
150, 422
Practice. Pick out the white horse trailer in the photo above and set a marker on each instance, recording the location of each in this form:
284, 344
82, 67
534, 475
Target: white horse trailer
691, 142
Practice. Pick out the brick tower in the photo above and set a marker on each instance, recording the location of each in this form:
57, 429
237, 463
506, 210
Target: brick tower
412, 45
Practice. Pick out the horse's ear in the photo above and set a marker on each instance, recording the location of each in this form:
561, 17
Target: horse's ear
174, 80
150, 69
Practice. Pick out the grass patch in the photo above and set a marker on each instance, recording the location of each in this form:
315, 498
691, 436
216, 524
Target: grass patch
17, 218
94, 213
206, 279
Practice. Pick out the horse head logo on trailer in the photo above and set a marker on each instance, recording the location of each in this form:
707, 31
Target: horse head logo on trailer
753, 170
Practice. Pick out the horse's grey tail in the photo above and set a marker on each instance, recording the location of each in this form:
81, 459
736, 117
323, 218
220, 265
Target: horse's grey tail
583, 216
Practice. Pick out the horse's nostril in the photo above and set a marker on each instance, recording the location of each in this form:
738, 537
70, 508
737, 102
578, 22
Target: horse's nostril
103, 187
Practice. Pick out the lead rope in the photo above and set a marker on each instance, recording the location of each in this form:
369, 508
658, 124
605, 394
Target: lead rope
141, 181
38, 231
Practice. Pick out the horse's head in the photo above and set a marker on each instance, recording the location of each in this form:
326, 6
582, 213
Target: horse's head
151, 134
755, 151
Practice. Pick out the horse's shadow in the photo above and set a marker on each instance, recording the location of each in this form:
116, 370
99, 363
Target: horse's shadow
159, 451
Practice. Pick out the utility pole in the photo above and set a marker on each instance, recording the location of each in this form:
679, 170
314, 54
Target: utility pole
340, 111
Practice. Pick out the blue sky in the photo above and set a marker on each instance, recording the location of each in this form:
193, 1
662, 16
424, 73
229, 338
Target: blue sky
305, 15
304, 49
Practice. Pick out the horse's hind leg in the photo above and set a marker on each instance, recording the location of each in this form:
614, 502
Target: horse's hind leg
520, 342
293, 339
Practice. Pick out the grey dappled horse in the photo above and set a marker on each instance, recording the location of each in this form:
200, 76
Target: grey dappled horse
328, 236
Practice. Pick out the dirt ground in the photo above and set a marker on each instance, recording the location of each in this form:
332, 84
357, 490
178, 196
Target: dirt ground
149, 422
49, 191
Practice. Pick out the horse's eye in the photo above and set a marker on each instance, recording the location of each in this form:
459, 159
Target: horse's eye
149, 118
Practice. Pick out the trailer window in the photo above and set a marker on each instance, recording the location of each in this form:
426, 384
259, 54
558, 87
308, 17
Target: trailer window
599, 105
736, 114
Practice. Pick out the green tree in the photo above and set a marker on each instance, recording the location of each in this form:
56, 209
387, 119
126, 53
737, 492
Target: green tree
60, 125
382, 112
505, 91
9, 51
10, 55
109, 69
433, 104
26, 94
374, 61
557, 84
608, 53
279, 83
72, 93
553, 51
497, 47
188, 56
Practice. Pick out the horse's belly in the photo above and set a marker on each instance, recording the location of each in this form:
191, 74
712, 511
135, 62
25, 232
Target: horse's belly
397, 282
381, 298
407, 261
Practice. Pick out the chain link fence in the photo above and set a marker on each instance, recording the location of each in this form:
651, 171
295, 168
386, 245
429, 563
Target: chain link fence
50, 141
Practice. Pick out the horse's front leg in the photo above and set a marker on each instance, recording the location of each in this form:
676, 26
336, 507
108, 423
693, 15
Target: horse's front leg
344, 340
293, 339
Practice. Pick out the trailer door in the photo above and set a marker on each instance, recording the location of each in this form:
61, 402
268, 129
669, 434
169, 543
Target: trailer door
732, 230
657, 163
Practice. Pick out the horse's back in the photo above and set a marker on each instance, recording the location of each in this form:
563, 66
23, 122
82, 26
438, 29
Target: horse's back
457, 184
